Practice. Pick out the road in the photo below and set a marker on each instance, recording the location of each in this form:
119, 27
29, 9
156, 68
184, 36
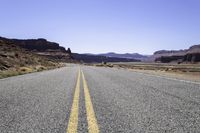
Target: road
93, 99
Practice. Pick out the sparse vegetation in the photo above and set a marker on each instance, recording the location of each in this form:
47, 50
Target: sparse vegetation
16, 61
161, 67
25, 69
184, 71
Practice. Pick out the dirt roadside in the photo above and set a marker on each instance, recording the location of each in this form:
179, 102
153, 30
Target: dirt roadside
177, 75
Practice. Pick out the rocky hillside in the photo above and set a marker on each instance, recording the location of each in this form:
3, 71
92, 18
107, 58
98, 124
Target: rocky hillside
188, 55
12, 56
41, 47
23, 56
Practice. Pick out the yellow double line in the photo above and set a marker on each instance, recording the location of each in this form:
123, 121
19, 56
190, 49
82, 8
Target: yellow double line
73, 119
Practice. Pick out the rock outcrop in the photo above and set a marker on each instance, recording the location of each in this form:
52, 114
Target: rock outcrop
191, 55
40, 45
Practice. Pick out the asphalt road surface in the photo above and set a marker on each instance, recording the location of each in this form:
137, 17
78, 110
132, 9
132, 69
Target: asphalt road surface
93, 99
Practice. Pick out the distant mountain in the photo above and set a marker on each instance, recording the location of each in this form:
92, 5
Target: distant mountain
91, 58
187, 55
126, 55
192, 49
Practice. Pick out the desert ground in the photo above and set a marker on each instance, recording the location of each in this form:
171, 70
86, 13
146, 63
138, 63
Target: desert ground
174, 70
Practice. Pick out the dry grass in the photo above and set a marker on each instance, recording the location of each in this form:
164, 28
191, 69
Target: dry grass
8, 73
180, 71
16, 61
27, 69
103, 65
161, 67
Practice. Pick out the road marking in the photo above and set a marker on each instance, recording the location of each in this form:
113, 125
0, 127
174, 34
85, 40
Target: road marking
73, 119
91, 119
169, 78
161, 76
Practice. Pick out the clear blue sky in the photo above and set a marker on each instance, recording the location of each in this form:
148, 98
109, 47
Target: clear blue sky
98, 26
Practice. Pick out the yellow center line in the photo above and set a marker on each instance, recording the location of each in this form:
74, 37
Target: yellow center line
73, 120
92, 122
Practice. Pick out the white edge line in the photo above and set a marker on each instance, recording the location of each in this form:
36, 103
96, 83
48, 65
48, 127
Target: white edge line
165, 77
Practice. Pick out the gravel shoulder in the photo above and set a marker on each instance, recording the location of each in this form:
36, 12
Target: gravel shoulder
178, 75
